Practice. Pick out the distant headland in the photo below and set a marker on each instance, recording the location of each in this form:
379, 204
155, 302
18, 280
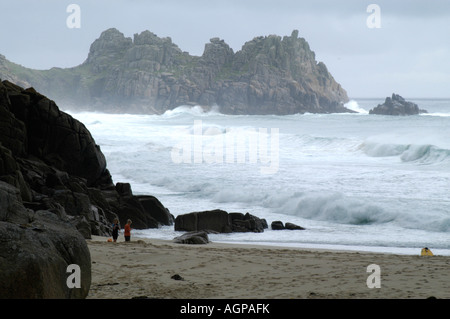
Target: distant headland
148, 74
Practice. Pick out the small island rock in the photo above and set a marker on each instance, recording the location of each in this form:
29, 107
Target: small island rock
397, 105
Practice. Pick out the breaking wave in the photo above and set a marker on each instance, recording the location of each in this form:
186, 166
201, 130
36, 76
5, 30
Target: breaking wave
191, 111
354, 106
421, 154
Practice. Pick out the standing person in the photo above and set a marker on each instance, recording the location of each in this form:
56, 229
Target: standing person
127, 232
115, 231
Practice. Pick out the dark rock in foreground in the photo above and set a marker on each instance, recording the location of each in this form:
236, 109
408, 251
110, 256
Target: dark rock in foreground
155, 209
397, 105
54, 162
35, 255
55, 191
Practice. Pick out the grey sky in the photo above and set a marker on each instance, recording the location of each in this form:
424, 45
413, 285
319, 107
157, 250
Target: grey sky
408, 55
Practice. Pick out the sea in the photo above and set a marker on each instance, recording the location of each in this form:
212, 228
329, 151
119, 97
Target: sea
354, 181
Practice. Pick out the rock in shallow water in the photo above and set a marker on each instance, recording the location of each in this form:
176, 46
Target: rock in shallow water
278, 225
220, 221
397, 105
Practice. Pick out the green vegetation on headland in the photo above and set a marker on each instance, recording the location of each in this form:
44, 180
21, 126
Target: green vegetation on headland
148, 74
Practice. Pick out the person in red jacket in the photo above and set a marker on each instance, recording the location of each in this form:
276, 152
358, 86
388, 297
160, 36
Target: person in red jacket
127, 232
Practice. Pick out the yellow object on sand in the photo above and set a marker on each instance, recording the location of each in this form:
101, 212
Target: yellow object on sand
109, 240
426, 252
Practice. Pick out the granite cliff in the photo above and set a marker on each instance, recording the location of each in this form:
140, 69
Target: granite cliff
55, 191
149, 74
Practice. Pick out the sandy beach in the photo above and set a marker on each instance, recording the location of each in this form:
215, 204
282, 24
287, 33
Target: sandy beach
166, 270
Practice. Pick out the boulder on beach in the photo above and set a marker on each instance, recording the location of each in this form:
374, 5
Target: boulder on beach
193, 238
215, 220
247, 223
220, 221
278, 225
292, 226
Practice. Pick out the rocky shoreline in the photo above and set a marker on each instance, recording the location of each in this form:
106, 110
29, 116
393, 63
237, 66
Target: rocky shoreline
150, 75
199, 224
56, 192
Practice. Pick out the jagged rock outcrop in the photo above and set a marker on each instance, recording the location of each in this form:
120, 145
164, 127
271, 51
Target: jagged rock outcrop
55, 191
148, 74
54, 162
397, 105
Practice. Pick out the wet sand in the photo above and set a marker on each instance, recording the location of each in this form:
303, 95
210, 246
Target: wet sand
165, 270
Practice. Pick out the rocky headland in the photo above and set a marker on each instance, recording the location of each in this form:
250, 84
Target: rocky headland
149, 74
397, 105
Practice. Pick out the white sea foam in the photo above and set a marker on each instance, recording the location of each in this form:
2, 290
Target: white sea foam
422, 154
354, 106
439, 114
196, 110
367, 181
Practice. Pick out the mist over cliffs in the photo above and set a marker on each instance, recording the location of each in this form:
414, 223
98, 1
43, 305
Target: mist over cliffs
148, 74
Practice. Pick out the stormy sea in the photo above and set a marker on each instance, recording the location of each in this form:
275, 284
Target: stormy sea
354, 181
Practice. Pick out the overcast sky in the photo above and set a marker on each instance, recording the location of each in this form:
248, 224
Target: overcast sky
409, 54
